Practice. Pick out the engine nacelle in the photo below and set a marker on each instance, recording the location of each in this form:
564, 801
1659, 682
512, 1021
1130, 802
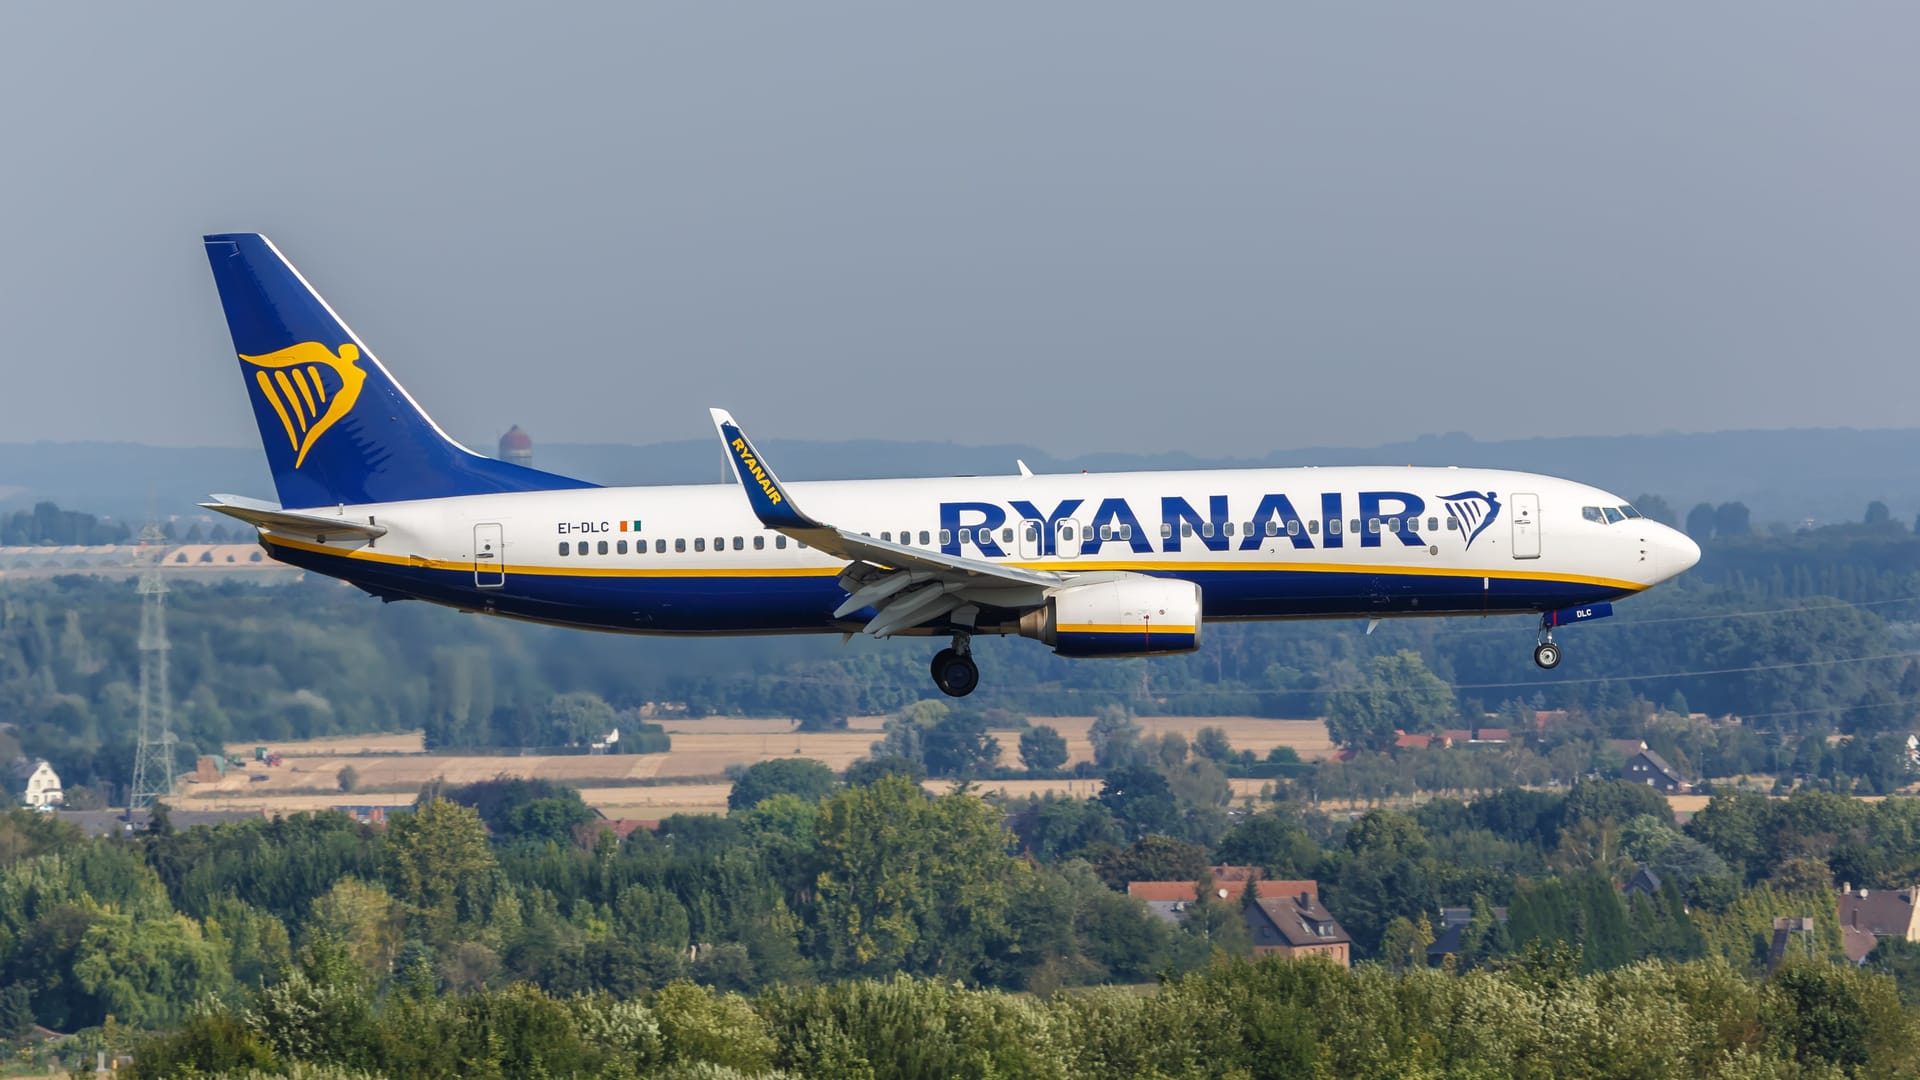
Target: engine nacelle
1134, 615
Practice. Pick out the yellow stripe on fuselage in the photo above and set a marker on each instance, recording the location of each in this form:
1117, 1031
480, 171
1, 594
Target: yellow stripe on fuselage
1124, 628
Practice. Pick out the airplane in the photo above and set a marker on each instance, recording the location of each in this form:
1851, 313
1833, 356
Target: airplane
372, 491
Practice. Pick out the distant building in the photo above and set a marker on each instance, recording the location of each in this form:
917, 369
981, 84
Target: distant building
34, 783
1644, 766
1867, 915
1170, 900
1453, 929
1296, 924
516, 446
1644, 882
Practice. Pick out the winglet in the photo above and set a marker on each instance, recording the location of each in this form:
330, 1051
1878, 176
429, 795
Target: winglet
769, 498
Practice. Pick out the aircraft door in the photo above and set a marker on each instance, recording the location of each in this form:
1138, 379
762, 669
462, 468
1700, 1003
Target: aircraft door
1526, 526
1066, 539
1031, 533
489, 556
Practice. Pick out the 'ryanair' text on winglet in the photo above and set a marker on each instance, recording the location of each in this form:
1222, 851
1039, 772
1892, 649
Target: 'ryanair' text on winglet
769, 499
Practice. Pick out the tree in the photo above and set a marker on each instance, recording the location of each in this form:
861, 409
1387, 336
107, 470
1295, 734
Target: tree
1042, 749
1115, 736
1398, 693
1657, 508
440, 867
1403, 946
910, 882
1141, 799
822, 697
1878, 516
868, 770
1212, 743
348, 778
804, 777
1731, 520
576, 718
1700, 522
364, 920
1153, 858
958, 746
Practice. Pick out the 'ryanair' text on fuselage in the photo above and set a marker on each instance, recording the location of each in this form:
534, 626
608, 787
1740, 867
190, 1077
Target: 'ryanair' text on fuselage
1398, 515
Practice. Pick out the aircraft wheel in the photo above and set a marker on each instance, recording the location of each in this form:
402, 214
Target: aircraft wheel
954, 674
1547, 655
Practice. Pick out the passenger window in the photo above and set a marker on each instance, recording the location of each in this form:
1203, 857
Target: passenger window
680, 544
1206, 529
1293, 527
603, 547
1393, 525
923, 538
699, 543
1333, 527
966, 536
620, 548
946, 537
1006, 536
1273, 528
1086, 532
1166, 530
580, 548
1313, 527
887, 536
1453, 523
1106, 532
1433, 524
660, 547
1373, 526
1227, 529
1032, 534
1354, 526
565, 548
1247, 530
1066, 533
719, 543
739, 543
760, 543
1592, 513
1186, 529
800, 545
780, 541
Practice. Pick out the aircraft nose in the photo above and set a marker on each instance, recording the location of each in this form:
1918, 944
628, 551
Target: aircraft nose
1675, 551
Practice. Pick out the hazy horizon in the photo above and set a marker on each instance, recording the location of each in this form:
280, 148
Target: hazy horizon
1084, 228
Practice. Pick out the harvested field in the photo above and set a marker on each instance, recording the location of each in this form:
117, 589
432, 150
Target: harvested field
1258, 734
411, 742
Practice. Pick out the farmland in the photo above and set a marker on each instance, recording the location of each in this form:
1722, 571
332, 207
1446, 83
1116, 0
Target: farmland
390, 768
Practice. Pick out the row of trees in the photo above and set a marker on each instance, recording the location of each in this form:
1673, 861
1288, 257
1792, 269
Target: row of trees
1235, 1019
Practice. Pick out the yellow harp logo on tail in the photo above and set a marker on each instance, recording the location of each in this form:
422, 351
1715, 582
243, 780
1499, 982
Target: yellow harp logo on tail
296, 384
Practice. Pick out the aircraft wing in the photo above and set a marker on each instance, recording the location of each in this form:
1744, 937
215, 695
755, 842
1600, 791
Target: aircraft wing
908, 586
301, 523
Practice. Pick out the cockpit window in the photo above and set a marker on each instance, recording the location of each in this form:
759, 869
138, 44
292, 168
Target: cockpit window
1593, 514
1613, 514
1630, 512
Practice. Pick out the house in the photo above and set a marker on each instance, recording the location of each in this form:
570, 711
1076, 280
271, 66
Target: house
1452, 929
1644, 766
34, 783
1294, 924
1170, 900
1867, 915
1644, 882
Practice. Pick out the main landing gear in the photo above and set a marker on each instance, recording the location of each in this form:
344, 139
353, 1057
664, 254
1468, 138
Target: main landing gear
1546, 654
954, 671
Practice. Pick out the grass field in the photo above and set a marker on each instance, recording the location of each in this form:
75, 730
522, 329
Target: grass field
392, 767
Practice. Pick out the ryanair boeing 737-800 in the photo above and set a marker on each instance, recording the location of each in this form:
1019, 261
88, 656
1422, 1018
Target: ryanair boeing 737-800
1095, 565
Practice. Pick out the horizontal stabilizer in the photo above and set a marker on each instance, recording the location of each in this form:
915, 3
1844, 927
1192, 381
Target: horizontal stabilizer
320, 527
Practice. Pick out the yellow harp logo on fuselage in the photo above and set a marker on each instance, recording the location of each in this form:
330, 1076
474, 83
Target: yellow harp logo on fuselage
295, 382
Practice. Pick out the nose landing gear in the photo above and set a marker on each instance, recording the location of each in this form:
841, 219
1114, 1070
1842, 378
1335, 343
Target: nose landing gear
954, 671
1546, 654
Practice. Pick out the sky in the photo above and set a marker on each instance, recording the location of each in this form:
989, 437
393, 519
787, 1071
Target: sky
1223, 228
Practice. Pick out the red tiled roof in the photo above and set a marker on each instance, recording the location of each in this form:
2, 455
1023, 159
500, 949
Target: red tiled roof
1495, 734
1163, 891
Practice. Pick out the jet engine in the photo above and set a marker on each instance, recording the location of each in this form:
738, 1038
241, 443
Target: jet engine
1130, 615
